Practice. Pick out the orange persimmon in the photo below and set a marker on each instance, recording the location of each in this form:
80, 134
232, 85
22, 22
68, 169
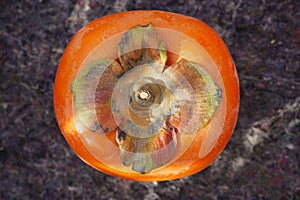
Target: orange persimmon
185, 47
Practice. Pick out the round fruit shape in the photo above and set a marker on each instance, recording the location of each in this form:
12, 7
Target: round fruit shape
147, 95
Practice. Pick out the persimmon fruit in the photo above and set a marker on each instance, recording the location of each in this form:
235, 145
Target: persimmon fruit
147, 95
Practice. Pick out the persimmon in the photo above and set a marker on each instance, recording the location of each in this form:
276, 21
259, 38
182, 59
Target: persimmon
147, 95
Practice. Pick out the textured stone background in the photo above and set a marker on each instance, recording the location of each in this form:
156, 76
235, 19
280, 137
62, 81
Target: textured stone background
262, 158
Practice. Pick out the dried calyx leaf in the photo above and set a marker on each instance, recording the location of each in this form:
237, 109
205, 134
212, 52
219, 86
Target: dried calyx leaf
142, 45
146, 154
202, 96
92, 91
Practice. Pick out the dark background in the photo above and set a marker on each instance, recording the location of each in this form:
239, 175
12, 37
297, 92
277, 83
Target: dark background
262, 159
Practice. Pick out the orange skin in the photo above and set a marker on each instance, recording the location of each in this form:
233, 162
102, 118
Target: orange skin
93, 34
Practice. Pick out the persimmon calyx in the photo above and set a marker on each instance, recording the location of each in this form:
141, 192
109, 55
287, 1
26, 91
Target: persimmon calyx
147, 104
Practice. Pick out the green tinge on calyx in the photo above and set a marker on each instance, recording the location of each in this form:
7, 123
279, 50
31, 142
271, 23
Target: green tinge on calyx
147, 104
142, 45
92, 90
147, 154
204, 95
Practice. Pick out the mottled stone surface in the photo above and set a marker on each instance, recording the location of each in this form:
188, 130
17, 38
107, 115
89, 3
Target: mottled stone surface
262, 158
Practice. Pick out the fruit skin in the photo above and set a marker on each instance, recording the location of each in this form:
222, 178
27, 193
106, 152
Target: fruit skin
101, 29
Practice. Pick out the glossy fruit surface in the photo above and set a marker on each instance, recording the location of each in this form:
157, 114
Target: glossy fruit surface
147, 95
